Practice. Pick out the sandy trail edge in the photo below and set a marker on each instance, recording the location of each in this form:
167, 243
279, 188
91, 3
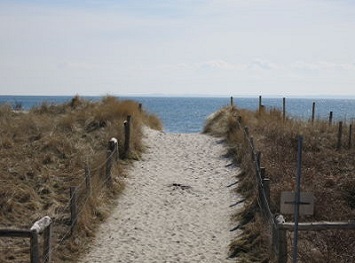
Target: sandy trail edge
175, 207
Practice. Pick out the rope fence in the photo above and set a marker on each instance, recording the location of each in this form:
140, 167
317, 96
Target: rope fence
79, 195
276, 223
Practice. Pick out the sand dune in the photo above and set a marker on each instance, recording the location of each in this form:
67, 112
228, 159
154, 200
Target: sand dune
175, 207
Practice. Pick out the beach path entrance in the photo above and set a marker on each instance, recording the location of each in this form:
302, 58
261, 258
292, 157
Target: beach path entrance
175, 207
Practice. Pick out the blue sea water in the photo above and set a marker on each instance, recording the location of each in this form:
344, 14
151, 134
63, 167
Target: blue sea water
187, 115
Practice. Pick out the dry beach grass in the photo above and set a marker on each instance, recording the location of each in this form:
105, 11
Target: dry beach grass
44, 151
327, 172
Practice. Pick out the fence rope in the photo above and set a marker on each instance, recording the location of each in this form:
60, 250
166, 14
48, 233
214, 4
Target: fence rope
270, 216
83, 205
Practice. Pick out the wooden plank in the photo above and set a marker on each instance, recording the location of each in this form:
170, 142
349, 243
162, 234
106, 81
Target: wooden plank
288, 202
14, 233
317, 226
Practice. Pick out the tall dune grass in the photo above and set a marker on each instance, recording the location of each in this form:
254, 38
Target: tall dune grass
327, 172
44, 151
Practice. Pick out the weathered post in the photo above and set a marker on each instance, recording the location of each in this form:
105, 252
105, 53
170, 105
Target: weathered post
284, 109
282, 244
232, 102
108, 178
73, 208
252, 148
34, 250
266, 184
260, 103
140, 107
262, 172
47, 235
330, 118
127, 126
297, 198
44, 225
340, 133
350, 136
113, 147
313, 111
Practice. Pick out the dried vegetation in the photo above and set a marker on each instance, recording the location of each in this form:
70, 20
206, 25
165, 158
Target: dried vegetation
44, 151
327, 171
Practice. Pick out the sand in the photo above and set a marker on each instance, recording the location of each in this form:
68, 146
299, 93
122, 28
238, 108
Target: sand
175, 207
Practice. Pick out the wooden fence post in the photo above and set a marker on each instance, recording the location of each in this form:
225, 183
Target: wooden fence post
313, 111
330, 118
113, 147
282, 245
127, 126
41, 226
47, 235
262, 172
283, 109
350, 136
260, 103
340, 133
108, 177
73, 208
34, 247
266, 185
232, 102
140, 107
252, 148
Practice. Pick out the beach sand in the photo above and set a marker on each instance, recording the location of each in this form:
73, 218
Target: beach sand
175, 207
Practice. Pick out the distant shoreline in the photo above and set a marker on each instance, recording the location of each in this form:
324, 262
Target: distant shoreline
186, 96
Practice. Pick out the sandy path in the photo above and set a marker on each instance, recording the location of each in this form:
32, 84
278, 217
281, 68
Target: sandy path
175, 207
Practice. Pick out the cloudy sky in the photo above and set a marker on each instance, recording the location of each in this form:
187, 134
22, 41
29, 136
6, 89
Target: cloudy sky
177, 47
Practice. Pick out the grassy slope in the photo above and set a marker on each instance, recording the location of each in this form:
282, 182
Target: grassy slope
44, 151
326, 171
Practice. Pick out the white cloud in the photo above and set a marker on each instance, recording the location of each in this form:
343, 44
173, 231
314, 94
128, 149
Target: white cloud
324, 66
188, 46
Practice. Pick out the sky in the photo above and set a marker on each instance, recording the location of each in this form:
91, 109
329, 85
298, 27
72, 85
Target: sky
178, 47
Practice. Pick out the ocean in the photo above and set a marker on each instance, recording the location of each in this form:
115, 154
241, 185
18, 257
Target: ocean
187, 115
